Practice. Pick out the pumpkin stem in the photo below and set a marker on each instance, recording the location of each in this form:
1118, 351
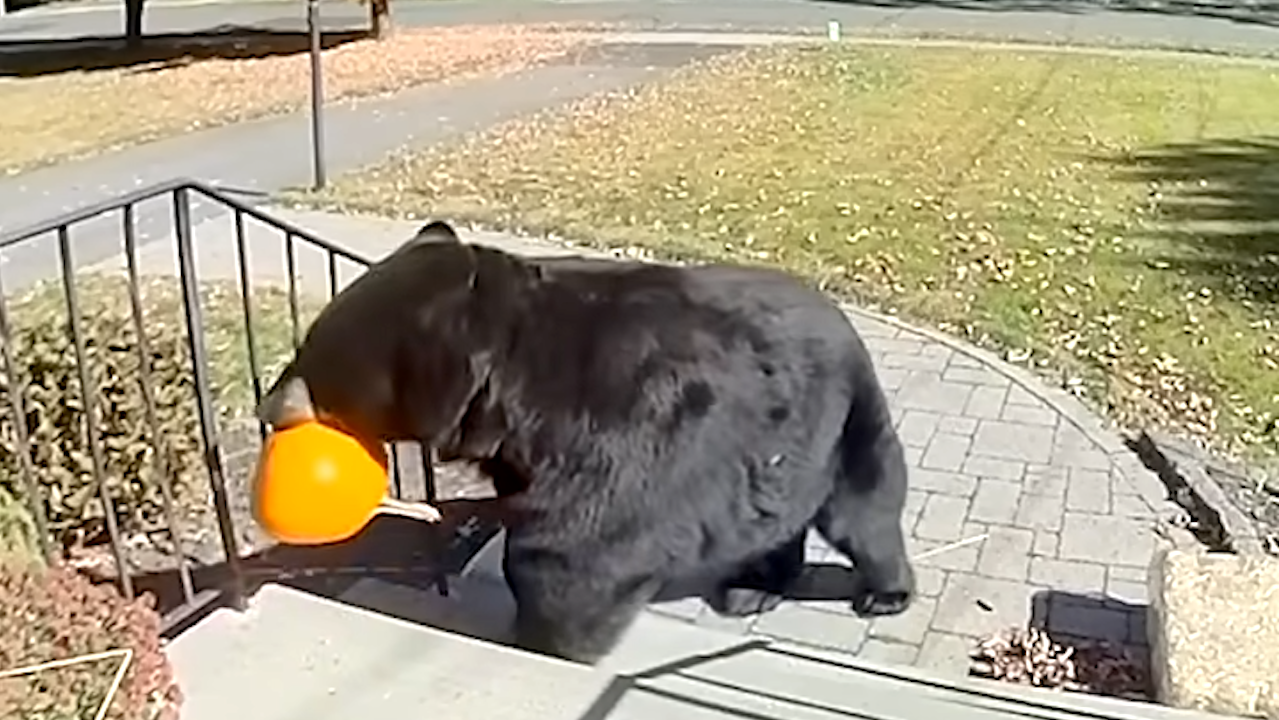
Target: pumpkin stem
415, 510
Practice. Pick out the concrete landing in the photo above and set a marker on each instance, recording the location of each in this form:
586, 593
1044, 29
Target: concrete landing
294, 656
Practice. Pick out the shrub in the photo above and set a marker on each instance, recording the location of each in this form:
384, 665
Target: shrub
45, 354
55, 614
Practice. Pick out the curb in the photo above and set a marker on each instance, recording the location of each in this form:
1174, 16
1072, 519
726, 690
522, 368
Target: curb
934, 40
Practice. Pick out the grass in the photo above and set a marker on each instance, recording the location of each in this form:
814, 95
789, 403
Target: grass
54, 116
1108, 221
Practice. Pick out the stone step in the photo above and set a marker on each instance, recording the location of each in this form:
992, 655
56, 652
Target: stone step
296, 655
665, 668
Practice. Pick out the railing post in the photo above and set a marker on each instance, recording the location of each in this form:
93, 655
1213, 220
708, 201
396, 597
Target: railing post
200, 370
89, 395
317, 93
160, 458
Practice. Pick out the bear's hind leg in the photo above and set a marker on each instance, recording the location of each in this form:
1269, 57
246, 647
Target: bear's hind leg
762, 584
575, 613
862, 519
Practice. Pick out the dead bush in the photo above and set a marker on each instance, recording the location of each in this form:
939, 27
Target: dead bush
56, 614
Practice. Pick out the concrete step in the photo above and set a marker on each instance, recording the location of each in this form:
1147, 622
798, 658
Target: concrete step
293, 655
296, 656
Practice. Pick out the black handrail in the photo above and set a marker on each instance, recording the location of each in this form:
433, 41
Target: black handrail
88, 212
180, 190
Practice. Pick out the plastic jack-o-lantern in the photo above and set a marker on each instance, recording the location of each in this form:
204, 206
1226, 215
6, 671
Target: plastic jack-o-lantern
317, 485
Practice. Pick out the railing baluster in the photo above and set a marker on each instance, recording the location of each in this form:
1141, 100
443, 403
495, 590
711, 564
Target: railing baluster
22, 441
428, 480
428, 471
160, 462
246, 297
333, 274
396, 481
208, 419
291, 263
89, 394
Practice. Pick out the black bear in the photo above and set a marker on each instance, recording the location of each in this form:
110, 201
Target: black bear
643, 424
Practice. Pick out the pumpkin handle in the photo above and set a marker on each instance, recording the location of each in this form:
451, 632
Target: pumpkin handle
415, 510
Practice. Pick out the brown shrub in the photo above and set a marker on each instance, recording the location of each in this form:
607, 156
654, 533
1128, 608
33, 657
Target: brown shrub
55, 614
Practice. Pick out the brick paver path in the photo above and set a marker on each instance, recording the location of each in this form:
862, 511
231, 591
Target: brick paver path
1030, 509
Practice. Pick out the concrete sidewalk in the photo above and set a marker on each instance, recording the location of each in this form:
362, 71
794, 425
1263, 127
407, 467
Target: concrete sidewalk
264, 156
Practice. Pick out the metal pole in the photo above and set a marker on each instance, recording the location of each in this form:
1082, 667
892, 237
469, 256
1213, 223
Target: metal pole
317, 95
203, 395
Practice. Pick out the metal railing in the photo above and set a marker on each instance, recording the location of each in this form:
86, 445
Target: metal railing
180, 194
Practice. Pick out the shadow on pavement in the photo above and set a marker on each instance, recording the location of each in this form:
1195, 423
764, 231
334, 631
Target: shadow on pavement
1089, 617
394, 553
1106, 637
33, 58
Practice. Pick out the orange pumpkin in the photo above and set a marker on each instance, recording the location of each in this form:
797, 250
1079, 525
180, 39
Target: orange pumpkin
317, 485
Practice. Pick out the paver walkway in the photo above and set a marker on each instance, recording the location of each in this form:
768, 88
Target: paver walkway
1031, 508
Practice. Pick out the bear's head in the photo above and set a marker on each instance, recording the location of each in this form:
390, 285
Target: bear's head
407, 351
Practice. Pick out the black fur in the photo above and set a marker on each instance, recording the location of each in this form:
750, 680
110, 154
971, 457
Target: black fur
645, 424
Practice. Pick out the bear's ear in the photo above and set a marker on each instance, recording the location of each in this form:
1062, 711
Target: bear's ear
287, 403
436, 231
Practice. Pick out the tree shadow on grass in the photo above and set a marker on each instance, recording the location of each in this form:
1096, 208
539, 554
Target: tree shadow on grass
1218, 211
1240, 12
32, 58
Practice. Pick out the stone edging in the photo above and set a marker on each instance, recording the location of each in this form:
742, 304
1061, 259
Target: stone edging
1182, 459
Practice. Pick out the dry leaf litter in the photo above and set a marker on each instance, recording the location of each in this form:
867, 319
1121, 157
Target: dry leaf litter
1030, 656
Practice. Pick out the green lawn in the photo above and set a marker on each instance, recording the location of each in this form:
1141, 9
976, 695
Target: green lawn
1103, 219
